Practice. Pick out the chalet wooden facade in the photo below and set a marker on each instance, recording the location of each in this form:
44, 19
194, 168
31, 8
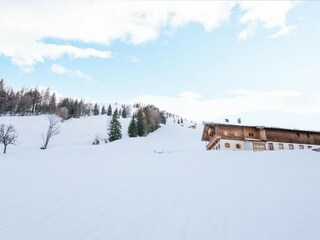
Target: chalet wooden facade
221, 136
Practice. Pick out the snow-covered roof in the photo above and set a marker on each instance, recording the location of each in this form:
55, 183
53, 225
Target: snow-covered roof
260, 127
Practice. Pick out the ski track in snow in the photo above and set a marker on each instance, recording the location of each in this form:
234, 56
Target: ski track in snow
127, 190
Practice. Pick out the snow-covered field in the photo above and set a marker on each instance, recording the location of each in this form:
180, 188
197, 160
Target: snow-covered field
164, 186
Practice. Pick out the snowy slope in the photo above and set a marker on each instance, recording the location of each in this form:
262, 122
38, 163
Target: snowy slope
80, 131
164, 186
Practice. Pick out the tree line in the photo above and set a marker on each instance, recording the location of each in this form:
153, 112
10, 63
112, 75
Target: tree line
36, 102
144, 119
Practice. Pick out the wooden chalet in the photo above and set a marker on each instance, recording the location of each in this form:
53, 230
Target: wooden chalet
220, 136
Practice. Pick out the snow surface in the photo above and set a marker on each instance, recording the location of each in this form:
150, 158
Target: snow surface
163, 186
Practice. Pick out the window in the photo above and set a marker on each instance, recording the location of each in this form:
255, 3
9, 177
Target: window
227, 145
211, 131
309, 147
225, 133
291, 147
259, 146
238, 146
308, 135
250, 134
281, 146
298, 134
270, 145
301, 147
237, 134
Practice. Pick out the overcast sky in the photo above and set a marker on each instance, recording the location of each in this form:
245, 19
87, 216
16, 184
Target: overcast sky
203, 60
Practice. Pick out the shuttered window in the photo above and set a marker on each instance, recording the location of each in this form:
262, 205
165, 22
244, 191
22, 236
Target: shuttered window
270, 145
259, 146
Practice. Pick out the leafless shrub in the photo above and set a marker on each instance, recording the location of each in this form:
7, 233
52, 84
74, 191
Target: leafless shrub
8, 135
53, 129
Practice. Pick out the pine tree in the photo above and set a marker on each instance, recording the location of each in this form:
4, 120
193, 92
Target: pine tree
11, 103
77, 109
81, 108
178, 121
124, 112
163, 118
115, 127
133, 128
1, 85
45, 101
103, 110
141, 124
3, 97
96, 110
109, 113
53, 104
181, 121
36, 100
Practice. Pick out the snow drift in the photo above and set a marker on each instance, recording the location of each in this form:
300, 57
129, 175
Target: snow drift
164, 186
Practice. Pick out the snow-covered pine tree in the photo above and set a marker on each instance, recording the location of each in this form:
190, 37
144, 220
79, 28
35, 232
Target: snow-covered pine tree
103, 110
109, 112
133, 128
96, 110
114, 127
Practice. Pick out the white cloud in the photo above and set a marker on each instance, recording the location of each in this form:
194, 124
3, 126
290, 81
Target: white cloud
56, 68
270, 14
284, 31
248, 31
240, 102
25, 25
25, 49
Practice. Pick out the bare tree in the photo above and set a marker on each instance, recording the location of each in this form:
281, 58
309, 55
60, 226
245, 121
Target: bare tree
53, 129
8, 135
